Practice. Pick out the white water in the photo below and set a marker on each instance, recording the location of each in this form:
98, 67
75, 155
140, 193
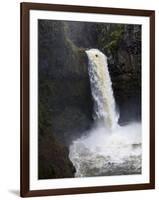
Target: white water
108, 149
101, 87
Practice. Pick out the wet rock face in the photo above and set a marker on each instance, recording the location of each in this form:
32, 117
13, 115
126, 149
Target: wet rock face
71, 105
53, 159
122, 45
126, 73
65, 101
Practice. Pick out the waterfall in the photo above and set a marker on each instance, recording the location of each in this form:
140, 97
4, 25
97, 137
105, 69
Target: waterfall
97, 152
101, 88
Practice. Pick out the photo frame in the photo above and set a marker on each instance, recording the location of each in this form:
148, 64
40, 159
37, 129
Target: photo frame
35, 16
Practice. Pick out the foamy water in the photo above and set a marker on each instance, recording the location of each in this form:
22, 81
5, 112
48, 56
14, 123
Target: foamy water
101, 153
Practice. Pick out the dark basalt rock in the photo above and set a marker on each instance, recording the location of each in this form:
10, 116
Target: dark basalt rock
53, 159
65, 101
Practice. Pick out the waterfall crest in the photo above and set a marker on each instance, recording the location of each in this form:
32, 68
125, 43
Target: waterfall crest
101, 88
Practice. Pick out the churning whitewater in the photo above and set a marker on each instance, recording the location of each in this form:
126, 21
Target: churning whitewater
108, 149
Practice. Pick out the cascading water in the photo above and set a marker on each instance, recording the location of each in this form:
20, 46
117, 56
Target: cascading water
108, 149
101, 87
